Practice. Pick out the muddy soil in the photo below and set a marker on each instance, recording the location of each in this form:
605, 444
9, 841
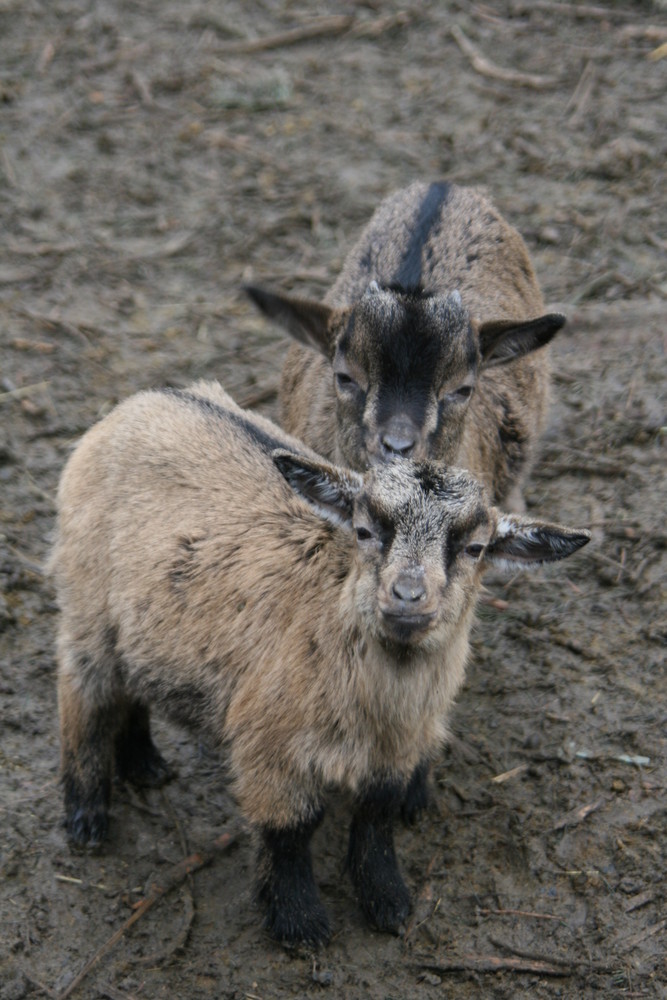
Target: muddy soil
152, 158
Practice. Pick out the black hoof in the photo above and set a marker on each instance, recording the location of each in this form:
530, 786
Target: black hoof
87, 827
307, 925
388, 909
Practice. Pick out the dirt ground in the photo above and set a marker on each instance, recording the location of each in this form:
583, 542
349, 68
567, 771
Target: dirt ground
151, 160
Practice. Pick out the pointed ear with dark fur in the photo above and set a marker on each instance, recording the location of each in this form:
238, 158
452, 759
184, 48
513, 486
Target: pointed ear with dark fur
305, 320
330, 491
520, 541
502, 341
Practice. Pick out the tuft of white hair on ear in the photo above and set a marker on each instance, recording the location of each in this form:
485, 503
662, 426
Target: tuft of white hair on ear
455, 297
519, 541
506, 526
373, 288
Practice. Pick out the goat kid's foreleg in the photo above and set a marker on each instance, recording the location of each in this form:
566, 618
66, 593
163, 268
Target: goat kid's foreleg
371, 858
294, 911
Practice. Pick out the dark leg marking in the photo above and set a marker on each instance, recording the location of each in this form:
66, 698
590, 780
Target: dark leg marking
87, 815
294, 912
371, 858
86, 779
417, 794
137, 758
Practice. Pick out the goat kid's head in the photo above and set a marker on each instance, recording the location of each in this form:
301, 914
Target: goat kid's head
405, 365
422, 537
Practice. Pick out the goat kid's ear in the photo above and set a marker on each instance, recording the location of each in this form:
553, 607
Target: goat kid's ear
502, 341
330, 491
519, 541
305, 320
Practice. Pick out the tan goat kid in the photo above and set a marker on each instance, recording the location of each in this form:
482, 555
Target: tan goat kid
312, 620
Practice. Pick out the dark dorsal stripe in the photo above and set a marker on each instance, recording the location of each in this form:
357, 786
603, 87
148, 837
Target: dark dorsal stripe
264, 440
408, 274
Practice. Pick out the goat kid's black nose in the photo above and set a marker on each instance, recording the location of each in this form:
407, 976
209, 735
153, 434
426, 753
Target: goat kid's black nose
408, 588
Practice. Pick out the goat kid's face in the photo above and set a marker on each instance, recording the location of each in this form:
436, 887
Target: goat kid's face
419, 534
405, 366
423, 536
404, 369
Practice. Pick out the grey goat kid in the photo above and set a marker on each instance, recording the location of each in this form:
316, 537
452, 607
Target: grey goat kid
312, 621
429, 345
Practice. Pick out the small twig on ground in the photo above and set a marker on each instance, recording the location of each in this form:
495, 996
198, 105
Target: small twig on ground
172, 878
651, 32
46, 57
371, 29
579, 101
485, 15
52, 323
567, 961
579, 10
518, 913
493, 963
8, 168
601, 559
577, 816
147, 250
24, 390
514, 772
659, 53
645, 933
639, 900
39, 985
142, 87
321, 27
550, 470
486, 68
29, 564
38, 346
494, 602
317, 28
39, 249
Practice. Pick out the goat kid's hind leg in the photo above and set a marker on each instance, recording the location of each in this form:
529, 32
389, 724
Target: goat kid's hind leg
294, 911
371, 858
87, 753
137, 758
417, 796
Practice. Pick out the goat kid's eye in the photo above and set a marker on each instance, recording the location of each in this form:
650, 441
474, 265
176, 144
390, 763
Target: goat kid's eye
363, 534
474, 550
460, 395
344, 381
